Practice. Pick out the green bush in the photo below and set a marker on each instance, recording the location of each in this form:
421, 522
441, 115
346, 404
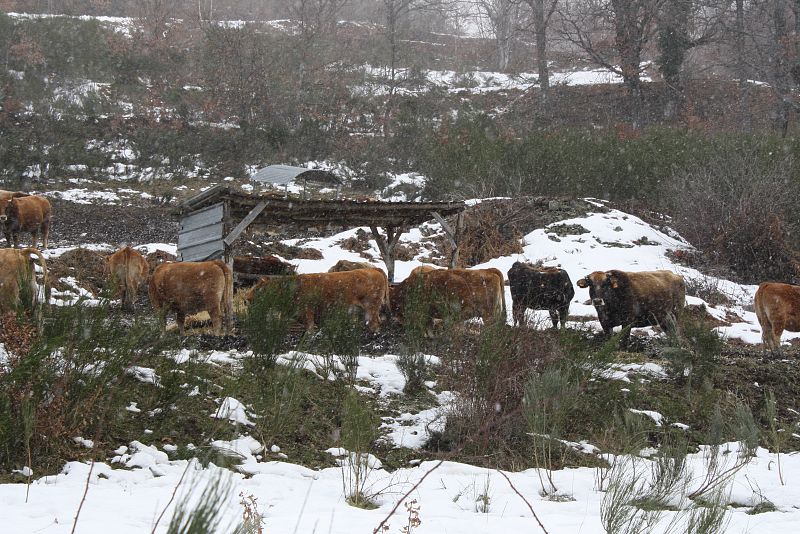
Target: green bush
269, 316
471, 155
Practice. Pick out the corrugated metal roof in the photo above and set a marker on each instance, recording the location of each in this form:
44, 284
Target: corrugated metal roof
283, 174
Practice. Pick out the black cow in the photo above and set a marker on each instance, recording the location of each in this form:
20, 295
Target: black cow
635, 298
547, 288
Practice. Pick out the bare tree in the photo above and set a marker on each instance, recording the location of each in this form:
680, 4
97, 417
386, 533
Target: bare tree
765, 46
155, 17
621, 32
682, 25
317, 20
505, 19
541, 13
396, 12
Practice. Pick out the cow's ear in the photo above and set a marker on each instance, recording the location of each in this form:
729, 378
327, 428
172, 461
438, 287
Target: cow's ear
614, 281
583, 282
19, 194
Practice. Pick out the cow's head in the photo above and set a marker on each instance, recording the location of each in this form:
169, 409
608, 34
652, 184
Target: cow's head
602, 286
8, 206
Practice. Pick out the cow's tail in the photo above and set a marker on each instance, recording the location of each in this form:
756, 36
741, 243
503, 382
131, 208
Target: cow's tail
227, 297
43, 263
131, 272
503, 310
500, 298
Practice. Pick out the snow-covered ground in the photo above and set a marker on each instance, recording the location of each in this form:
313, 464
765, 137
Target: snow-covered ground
486, 81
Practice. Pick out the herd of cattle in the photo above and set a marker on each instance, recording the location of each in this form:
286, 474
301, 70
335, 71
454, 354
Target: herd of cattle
186, 288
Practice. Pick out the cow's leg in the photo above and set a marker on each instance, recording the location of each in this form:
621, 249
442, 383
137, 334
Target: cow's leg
775, 337
162, 319
373, 318
15, 237
554, 317
518, 311
7, 235
45, 234
34, 238
180, 317
563, 312
216, 320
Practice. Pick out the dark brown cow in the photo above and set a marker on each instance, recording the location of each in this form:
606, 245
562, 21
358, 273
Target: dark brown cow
544, 288
317, 293
127, 270
16, 265
635, 298
777, 308
466, 292
25, 214
191, 287
347, 265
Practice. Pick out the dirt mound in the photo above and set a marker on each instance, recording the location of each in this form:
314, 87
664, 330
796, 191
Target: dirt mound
495, 228
88, 267
74, 224
154, 259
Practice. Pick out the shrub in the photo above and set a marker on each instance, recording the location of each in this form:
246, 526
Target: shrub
414, 368
269, 317
68, 383
748, 222
341, 334
693, 352
359, 424
489, 372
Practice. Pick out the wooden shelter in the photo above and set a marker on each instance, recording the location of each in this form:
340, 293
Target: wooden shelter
213, 220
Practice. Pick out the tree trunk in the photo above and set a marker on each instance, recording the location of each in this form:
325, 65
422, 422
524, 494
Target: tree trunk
628, 43
782, 85
540, 30
744, 112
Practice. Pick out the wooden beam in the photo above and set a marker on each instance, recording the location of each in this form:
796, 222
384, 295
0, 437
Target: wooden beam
236, 232
451, 235
457, 240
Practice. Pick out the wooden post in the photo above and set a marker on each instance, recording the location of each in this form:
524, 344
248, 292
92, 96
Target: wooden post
453, 236
386, 245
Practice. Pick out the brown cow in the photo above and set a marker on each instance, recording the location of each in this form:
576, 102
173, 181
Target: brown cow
317, 293
25, 214
17, 266
467, 292
191, 287
127, 270
778, 309
347, 265
635, 298
8, 195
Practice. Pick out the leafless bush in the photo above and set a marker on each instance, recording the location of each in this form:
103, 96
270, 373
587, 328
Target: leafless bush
742, 215
707, 288
490, 372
